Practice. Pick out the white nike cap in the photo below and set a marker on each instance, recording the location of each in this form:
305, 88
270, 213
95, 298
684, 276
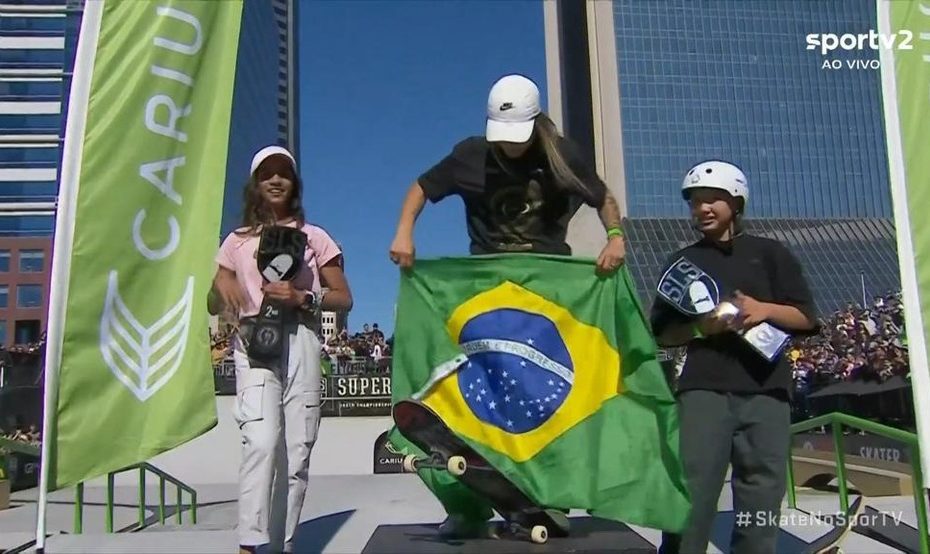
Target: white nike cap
269, 151
513, 105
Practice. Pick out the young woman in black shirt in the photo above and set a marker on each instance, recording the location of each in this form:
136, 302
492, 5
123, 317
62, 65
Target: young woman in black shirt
733, 402
521, 184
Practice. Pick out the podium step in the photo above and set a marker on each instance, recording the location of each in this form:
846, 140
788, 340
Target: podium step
588, 534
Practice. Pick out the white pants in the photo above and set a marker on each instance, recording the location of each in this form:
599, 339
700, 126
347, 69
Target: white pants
279, 416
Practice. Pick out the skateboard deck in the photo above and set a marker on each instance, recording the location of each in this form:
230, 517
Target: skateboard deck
445, 451
832, 541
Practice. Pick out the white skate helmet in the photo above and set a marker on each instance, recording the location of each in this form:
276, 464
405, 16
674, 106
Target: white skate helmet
715, 174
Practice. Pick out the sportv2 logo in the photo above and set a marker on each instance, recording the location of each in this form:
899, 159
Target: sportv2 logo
829, 42
873, 40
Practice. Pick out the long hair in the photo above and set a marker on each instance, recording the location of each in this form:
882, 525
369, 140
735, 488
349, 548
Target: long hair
546, 141
256, 213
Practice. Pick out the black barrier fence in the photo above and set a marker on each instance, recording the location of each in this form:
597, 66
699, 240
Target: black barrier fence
22, 470
359, 394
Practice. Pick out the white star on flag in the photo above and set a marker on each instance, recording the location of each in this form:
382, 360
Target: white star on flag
483, 391
492, 404
521, 402
509, 423
513, 381
551, 382
507, 398
522, 363
529, 413
504, 374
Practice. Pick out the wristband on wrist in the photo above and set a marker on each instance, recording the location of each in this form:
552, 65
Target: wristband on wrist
696, 330
614, 232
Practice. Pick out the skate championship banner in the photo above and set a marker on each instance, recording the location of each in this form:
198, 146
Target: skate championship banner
356, 395
361, 394
128, 365
906, 97
543, 368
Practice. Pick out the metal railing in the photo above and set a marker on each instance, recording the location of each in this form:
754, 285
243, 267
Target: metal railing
836, 421
143, 468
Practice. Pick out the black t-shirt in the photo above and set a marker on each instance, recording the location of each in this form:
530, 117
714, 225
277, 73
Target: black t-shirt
761, 268
513, 205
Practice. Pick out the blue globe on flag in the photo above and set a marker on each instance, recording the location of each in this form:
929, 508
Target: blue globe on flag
518, 372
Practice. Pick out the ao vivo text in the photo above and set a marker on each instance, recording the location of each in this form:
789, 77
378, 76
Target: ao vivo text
850, 64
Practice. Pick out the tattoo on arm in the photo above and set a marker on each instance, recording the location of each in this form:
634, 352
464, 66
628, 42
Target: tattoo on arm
610, 212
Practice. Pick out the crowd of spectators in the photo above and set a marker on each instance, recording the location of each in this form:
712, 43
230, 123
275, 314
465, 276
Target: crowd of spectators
366, 350
857, 343
30, 435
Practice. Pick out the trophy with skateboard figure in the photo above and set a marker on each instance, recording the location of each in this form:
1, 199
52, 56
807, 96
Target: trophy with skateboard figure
279, 257
693, 292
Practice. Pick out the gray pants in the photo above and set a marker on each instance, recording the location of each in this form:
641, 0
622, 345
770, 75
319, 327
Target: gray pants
279, 416
751, 432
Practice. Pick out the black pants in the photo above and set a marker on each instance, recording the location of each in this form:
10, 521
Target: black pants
750, 432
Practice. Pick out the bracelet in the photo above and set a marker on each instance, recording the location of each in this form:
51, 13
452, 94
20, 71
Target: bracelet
614, 232
697, 331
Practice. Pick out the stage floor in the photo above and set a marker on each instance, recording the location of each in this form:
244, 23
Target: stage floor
371, 514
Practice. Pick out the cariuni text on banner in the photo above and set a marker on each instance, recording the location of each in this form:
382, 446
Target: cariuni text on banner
128, 369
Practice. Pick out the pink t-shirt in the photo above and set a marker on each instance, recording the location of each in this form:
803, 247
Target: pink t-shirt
237, 253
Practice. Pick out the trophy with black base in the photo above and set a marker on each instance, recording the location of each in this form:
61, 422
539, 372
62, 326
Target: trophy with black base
695, 293
279, 257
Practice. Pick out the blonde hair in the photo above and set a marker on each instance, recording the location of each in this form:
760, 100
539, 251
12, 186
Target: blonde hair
546, 137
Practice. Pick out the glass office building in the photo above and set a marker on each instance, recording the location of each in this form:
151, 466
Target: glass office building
653, 87
38, 40
265, 103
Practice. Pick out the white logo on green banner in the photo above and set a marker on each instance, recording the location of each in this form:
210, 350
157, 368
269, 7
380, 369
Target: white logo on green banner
144, 358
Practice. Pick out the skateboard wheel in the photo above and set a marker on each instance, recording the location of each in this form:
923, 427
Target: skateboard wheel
410, 463
456, 465
539, 534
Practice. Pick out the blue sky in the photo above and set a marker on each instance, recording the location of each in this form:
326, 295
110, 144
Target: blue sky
386, 89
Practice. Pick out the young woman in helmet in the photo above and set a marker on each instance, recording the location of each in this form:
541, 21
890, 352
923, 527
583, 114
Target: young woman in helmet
733, 403
521, 184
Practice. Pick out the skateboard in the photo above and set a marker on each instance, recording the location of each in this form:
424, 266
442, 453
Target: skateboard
832, 541
446, 451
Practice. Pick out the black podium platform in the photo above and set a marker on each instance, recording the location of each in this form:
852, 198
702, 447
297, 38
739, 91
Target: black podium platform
589, 534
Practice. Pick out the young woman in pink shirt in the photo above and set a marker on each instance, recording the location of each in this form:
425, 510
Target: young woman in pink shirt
278, 397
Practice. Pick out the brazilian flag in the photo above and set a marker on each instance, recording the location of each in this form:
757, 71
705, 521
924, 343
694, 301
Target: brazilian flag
550, 372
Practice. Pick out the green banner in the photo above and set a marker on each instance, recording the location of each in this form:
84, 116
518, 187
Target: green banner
906, 90
135, 375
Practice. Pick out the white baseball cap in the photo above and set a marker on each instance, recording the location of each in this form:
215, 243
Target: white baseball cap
513, 105
269, 151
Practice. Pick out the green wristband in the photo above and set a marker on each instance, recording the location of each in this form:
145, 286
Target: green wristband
614, 232
697, 331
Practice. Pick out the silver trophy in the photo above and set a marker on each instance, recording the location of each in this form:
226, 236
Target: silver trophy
693, 292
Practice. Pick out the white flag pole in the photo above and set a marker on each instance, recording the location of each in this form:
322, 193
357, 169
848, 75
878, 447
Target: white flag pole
72, 152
